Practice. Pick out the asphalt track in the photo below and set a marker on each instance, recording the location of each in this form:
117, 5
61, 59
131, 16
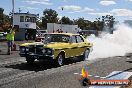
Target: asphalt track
15, 73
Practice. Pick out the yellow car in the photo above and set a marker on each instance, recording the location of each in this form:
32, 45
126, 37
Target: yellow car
57, 47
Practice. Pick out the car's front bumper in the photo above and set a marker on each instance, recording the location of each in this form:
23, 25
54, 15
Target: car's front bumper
37, 56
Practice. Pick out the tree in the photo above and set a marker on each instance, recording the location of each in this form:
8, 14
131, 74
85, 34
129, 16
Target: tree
99, 24
83, 24
4, 20
66, 20
1, 16
49, 16
108, 21
39, 22
80, 22
105, 23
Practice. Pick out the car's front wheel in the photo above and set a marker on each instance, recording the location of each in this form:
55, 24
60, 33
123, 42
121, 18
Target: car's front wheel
60, 60
29, 60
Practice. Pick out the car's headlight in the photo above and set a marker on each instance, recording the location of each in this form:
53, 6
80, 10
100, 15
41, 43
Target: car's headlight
49, 51
22, 49
27, 49
43, 50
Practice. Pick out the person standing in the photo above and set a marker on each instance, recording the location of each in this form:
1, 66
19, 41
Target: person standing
26, 35
10, 39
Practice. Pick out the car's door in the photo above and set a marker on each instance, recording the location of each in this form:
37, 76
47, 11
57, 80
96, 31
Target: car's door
81, 45
72, 47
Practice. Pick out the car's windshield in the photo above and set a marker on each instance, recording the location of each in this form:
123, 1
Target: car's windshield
56, 38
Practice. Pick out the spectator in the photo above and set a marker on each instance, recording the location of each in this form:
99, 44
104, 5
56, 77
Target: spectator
10, 39
61, 31
26, 36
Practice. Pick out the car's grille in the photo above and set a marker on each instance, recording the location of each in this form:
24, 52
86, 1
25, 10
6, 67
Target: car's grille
32, 49
36, 49
39, 50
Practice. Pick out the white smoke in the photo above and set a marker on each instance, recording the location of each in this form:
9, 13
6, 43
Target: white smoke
117, 44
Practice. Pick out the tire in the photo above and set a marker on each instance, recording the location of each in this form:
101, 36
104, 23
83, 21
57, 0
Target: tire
60, 60
29, 60
86, 54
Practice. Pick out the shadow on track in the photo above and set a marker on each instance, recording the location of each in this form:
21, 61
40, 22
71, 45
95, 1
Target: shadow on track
37, 65
128, 55
129, 61
3, 54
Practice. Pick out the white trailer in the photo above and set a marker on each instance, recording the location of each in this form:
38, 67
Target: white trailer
27, 25
53, 27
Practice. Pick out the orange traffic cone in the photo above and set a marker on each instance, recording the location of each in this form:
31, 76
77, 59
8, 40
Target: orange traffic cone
84, 73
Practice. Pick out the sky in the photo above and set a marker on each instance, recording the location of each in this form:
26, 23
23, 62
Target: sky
89, 9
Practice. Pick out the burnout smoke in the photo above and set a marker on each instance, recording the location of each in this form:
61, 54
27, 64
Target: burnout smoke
117, 44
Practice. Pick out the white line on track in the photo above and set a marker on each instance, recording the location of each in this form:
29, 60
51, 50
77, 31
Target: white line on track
90, 75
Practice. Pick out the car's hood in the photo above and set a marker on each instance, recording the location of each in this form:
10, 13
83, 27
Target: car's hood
57, 45
54, 45
33, 43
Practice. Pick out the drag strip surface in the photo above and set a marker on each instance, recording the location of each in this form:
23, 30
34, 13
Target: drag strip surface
17, 74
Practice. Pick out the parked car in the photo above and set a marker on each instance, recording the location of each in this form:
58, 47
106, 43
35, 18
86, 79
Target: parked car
3, 36
40, 32
40, 38
57, 47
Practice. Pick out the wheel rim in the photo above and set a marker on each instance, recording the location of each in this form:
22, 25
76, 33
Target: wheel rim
86, 54
60, 60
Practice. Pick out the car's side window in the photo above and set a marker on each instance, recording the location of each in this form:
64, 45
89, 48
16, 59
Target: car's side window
79, 39
73, 39
65, 38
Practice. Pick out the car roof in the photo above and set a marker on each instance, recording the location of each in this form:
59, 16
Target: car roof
69, 34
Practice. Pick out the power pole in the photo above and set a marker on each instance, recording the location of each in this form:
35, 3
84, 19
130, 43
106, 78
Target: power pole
12, 12
61, 18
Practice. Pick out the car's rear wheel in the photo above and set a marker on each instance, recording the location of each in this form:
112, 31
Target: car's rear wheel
60, 60
86, 54
29, 60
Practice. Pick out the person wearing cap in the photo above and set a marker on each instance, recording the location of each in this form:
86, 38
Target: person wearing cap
10, 39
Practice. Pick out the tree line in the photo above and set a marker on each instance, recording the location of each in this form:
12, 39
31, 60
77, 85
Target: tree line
4, 19
51, 16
